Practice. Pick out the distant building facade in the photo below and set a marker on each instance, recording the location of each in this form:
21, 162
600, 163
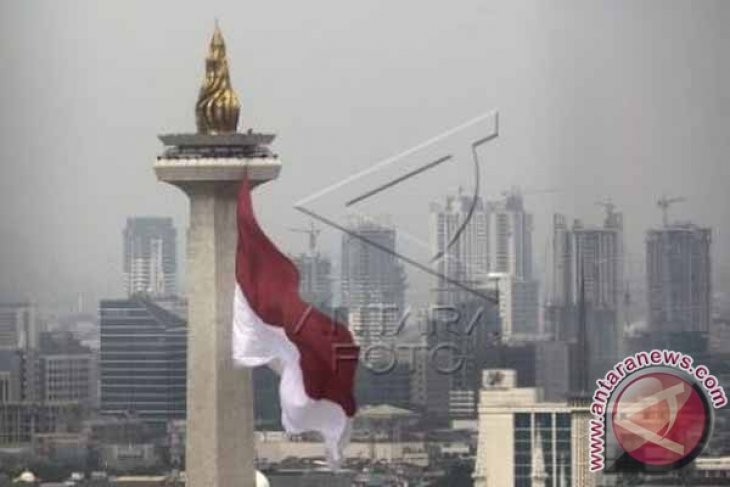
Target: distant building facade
150, 256
373, 284
315, 279
523, 440
511, 269
371, 273
18, 326
518, 305
460, 240
67, 371
679, 279
143, 360
510, 237
593, 255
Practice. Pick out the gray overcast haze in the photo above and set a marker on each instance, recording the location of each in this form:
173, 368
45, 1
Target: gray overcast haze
620, 99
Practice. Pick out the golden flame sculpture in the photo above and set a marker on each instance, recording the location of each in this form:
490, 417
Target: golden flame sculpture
217, 108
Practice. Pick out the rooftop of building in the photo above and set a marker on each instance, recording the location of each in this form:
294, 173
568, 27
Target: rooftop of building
384, 411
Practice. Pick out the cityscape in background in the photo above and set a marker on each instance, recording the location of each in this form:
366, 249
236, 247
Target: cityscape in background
485, 321
495, 354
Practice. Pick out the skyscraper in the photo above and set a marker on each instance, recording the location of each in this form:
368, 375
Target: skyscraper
18, 326
679, 281
593, 254
459, 239
600, 254
315, 279
373, 292
371, 271
143, 360
519, 310
510, 237
510, 266
150, 256
373, 282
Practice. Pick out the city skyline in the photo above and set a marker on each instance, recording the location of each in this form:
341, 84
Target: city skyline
648, 151
501, 200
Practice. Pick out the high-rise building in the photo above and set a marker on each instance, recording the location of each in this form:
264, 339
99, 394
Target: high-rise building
563, 264
373, 284
67, 371
510, 267
600, 254
460, 240
510, 237
11, 375
518, 306
150, 256
679, 281
523, 440
591, 255
315, 279
18, 326
143, 360
371, 271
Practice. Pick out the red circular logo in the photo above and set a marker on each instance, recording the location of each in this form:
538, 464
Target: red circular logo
661, 419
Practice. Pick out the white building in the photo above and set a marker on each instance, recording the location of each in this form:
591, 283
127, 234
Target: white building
18, 326
510, 237
523, 441
150, 257
518, 306
510, 265
462, 249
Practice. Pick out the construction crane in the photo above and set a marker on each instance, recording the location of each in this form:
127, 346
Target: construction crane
608, 205
664, 203
313, 233
613, 219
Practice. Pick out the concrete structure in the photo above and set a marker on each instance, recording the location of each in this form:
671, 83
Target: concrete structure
510, 236
594, 254
142, 360
679, 279
524, 441
510, 266
208, 167
66, 371
11, 376
274, 447
464, 256
150, 256
18, 326
373, 290
20, 421
315, 279
518, 306
371, 272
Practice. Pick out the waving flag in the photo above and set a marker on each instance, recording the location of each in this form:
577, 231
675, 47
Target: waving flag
314, 355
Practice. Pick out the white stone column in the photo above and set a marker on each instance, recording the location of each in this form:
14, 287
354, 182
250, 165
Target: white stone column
220, 434
220, 450
580, 426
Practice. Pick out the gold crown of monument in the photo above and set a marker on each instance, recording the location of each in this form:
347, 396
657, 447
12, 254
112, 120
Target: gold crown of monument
217, 108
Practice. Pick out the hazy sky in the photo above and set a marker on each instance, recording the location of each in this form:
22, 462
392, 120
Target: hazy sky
620, 99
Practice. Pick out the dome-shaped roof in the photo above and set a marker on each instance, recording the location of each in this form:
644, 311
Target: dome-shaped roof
26, 477
261, 480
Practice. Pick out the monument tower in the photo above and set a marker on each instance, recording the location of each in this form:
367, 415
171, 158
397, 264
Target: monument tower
209, 166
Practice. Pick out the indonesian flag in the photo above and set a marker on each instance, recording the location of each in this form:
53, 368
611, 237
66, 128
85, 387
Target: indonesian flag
314, 355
